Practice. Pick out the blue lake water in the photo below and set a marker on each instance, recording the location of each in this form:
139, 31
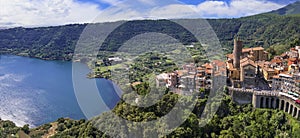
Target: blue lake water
35, 92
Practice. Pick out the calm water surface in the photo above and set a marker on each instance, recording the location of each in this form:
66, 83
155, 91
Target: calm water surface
35, 92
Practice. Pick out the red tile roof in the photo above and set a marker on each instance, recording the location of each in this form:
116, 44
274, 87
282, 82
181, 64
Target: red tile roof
207, 66
293, 59
219, 63
246, 50
276, 60
230, 56
283, 55
247, 61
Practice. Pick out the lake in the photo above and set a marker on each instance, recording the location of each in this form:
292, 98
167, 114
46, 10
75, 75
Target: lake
35, 92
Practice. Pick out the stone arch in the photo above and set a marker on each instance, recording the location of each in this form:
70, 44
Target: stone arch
287, 105
282, 105
267, 102
272, 102
291, 109
295, 112
261, 102
277, 104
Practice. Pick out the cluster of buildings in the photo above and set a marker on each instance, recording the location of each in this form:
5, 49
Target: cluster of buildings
247, 68
287, 71
191, 77
242, 65
251, 68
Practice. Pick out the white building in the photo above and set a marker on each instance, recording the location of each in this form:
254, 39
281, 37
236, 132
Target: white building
162, 80
116, 59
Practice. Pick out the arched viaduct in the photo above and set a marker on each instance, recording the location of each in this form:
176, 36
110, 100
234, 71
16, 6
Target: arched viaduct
265, 99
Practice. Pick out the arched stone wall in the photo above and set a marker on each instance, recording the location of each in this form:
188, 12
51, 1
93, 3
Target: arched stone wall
291, 109
261, 102
277, 104
282, 105
267, 104
272, 101
295, 111
287, 105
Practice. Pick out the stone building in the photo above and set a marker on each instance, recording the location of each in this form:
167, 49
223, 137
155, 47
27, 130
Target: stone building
233, 63
248, 73
188, 83
257, 53
162, 80
173, 80
242, 65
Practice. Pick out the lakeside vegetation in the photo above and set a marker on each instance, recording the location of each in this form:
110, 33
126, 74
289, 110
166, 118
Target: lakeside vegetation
150, 63
141, 66
138, 69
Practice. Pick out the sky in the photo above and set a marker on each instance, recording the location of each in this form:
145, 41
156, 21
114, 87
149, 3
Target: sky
33, 13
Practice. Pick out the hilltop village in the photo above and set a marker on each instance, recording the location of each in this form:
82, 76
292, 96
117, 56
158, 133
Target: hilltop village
191, 78
245, 68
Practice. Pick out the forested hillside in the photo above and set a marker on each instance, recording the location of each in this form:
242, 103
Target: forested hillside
279, 32
288, 10
266, 30
231, 120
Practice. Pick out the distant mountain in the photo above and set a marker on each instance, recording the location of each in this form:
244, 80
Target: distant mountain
58, 42
290, 9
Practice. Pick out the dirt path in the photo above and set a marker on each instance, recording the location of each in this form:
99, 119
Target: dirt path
51, 131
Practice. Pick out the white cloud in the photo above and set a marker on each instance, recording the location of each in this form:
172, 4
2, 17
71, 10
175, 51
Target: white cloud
175, 11
116, 14
236, 8
217, 9
139, 9
57, 12
45, 12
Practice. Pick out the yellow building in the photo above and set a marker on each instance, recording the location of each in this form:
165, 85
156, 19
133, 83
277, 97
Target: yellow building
233, 73
292, 68
268, 73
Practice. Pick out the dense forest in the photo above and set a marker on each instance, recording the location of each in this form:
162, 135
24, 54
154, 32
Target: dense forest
231, 120
270, 30
289, 9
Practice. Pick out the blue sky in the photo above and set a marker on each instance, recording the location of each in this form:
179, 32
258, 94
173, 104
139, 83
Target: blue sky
31, 13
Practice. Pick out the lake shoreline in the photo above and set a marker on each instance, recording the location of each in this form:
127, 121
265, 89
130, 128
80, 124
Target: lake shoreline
31, 99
